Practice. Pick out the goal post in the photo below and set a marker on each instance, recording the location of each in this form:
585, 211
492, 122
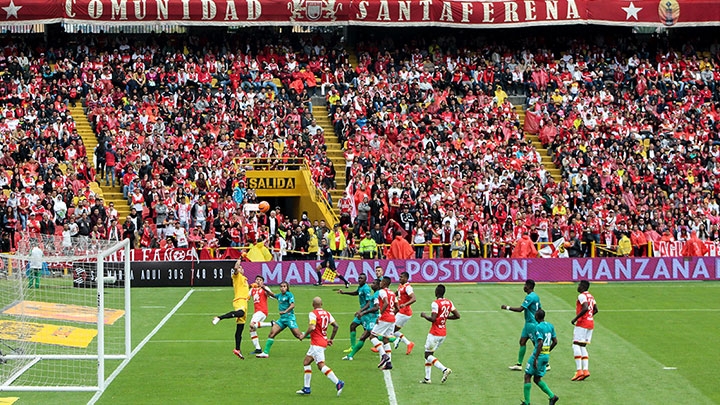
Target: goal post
65, 313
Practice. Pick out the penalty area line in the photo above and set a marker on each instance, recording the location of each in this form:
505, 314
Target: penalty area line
392, 399
139, 347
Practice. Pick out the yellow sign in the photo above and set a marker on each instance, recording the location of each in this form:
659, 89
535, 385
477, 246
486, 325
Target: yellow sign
65, 312
261, 183
8, 400
48, 334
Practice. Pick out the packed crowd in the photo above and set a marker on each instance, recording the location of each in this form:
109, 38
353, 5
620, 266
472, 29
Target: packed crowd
433, 144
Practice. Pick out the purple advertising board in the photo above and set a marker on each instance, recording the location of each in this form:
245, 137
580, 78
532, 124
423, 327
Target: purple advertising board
503, 270
217, 272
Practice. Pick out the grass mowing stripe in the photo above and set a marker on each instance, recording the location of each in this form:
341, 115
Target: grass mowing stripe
139, 347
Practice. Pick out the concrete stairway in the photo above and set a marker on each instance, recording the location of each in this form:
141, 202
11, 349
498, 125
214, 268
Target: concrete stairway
547, 162
334, 152
108, 193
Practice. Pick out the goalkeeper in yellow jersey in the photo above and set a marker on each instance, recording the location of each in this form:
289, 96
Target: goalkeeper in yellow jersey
241, 295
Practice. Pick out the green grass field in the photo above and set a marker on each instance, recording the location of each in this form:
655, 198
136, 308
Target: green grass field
653, 344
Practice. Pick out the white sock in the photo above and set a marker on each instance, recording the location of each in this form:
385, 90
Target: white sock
376, 343
585, 359
254, 339
308, 376
388, 349
577, 352
264, 325
428, 369
329, 373
435, 362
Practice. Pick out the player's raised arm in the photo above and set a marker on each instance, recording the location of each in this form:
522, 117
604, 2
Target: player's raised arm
269, 292
513, 309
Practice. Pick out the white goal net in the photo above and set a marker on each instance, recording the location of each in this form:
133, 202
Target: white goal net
64, 313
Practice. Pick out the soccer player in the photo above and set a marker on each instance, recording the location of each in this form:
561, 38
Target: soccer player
364, 294
406, 297
585, 308
442, 311
259, 293
241, 294
545, 340
529, 306
327, 261
379, 272
385, 326
317, 330
369, 316
286, 309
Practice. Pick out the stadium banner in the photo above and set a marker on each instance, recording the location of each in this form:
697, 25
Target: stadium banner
217, 272
448, 13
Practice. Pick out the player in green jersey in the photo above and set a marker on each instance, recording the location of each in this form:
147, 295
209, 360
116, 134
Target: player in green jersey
286, 309
529, 306
545, 341
369, 316
364, 294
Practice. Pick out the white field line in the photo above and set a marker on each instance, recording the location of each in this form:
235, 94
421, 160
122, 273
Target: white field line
491, 311
392, 399
139, 347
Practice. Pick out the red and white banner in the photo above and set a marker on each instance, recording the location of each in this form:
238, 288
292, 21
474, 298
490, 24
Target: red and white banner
670, 249
449, 13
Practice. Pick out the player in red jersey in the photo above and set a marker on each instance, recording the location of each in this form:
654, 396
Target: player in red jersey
443, 310
259, 294
406, 297
385, 327
320, 319
585, 308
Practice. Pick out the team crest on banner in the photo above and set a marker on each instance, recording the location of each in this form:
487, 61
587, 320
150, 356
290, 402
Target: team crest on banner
669, 12
314, 9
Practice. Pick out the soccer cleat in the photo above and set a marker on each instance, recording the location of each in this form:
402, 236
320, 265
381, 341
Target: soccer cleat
348, 350
262, 355
554, 400
340, 385
257, 351
303, 391
383, 360
585, 375
547, 368
347, 358
317, 284
425, 381
578, 376
446, 373
216, 320
347, 285
387, 366
237, 353
374, 349
410, 347
516, 367
396, 344
272, 323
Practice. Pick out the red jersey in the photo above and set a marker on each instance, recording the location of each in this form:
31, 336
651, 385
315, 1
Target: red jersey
586, 321
442, 308
388, 315
403, 295
321, 319
259, 296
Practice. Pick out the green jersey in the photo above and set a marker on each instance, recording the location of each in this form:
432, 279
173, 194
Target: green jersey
284, 302
365, 295
531, 305
546, 332
373, 302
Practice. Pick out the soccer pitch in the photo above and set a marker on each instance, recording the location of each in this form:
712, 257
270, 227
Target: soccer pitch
652, 345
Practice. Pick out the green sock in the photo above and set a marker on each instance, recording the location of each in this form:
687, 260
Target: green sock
268, 345
526, 392
356, 348
545, 389
521, 354
353, 338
